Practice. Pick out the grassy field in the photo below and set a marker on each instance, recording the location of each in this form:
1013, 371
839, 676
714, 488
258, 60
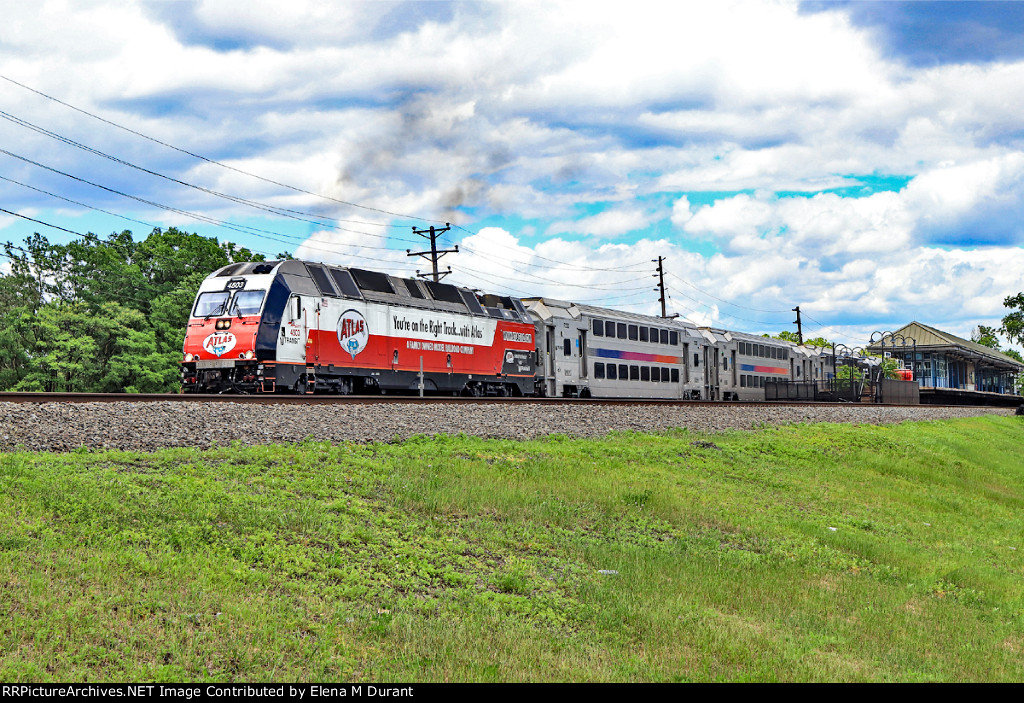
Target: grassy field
817, 552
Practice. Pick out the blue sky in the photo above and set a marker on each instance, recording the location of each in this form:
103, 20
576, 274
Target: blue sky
862, 160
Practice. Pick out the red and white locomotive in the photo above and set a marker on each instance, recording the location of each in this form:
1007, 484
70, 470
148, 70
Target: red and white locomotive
294, 326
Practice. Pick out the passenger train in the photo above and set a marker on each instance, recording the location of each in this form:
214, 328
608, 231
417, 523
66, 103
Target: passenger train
303, 327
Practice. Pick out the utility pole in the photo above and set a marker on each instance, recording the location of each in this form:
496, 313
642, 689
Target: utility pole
799, 327
433, 254
661, 286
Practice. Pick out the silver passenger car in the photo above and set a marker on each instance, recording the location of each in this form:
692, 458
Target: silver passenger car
587, 351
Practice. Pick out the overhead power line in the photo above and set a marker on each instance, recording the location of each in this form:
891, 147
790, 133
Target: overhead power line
209, 160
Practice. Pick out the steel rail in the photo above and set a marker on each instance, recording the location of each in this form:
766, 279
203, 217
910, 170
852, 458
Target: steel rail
311, 399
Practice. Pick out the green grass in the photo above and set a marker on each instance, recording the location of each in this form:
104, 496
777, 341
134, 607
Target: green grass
816, 552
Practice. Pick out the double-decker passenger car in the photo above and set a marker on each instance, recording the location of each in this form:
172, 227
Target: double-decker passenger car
589, 351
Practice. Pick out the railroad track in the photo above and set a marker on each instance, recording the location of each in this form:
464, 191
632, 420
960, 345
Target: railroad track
276, 399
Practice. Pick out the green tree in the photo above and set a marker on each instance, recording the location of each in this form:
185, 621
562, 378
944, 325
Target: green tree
986, 336
78, 350
1013, 323
137, 295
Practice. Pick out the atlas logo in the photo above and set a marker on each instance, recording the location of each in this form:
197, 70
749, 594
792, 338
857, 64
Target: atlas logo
353, 332
219, 343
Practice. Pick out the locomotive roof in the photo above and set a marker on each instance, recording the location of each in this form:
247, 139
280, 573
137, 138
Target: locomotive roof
320, 279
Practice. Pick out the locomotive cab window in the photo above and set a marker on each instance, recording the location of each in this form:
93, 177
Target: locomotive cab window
247, 302
214, 303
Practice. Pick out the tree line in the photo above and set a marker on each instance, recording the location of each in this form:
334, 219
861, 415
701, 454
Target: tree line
103, 315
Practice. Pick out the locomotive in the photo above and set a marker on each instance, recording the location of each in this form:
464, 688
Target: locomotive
304, 327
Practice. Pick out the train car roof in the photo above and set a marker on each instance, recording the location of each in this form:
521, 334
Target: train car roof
596, 311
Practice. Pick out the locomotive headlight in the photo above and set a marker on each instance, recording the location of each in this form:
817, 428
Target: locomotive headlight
250, 354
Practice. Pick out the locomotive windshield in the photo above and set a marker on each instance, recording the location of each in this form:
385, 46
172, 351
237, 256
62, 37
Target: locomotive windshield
211, 304
245, 302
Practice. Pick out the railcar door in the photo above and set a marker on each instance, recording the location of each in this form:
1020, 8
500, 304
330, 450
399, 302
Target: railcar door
711, 372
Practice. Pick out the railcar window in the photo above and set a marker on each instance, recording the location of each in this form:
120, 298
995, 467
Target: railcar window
664, 374
345, 283
612, 376
634, 373
633, 333
609, 329
598, 370
675, 375
372, 281
645, 373
598, 328
673, 338
567, 347
725, 364
644, 334
654, 335
775, 352
247, 302
211, 303
664, 336
623, 372
743, 381
696, 360
760, 350
656, 374
621, 330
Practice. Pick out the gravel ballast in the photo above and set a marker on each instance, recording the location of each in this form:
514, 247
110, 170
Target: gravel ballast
157, 425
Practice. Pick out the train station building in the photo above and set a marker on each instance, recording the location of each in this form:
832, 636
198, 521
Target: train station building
949, 368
